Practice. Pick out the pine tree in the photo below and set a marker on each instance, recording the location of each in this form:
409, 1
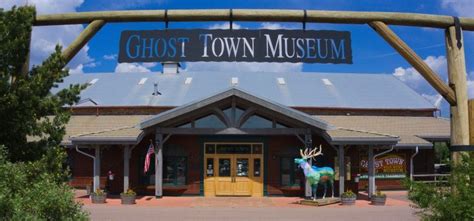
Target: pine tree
32, 119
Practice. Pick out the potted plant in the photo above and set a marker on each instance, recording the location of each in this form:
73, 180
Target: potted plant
128, 197
98, 196
378, 198
348, 198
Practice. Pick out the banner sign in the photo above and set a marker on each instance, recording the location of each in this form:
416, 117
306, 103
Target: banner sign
182, 45
386, 167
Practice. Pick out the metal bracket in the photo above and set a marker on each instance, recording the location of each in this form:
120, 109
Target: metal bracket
458, 28
305, 16
459, 148
230, 19
166, 19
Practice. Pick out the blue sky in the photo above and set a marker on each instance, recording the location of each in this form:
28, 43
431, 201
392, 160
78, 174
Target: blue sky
371, 54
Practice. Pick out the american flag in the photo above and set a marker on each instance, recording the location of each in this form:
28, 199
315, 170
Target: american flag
151, 150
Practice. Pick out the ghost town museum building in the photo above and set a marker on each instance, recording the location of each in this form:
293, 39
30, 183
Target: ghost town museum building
238, 133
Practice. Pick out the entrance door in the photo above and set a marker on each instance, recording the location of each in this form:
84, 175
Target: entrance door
233, 169
224, 178
233, 178
242, 181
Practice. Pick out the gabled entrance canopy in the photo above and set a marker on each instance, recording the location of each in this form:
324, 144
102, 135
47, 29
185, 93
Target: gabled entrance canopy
234, 112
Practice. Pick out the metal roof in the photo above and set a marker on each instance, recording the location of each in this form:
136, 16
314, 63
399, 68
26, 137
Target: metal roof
301, 89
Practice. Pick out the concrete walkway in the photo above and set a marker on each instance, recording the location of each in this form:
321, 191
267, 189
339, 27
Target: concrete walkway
236, 208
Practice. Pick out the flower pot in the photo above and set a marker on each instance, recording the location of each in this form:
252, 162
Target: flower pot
98, 198
348, 200
128, 199
378, 200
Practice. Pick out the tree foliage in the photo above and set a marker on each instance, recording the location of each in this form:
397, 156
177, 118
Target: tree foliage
32, 119
25, 98
451, 201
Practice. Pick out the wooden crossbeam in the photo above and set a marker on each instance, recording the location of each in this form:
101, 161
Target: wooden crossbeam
82, 39
415, 60
271, 15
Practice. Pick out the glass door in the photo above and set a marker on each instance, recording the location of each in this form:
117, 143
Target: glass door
224, 179
242, 181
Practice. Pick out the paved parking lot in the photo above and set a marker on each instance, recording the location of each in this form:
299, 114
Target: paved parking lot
266, 208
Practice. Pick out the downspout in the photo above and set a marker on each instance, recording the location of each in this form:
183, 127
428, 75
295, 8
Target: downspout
88, 155
411, 163
373, 160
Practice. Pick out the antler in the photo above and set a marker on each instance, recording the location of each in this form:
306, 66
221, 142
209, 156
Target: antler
312, 153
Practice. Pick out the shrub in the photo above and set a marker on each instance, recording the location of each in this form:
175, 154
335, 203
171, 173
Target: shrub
26, 194
129, 192
348, 194
452, 201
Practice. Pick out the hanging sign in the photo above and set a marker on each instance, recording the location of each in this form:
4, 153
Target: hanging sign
386, 167
182, 45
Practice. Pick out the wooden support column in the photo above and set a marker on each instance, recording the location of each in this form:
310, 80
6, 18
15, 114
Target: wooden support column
371, 171
26, 65
82, 40
96, 181
342, 171
126, 167
415, 60
457, 80
471, 121
307, 187
159, 165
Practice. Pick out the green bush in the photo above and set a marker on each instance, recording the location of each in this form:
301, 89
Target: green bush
29, 194
451, 201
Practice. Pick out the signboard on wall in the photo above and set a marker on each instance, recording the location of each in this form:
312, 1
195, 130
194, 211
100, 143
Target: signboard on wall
182, 45
386, 167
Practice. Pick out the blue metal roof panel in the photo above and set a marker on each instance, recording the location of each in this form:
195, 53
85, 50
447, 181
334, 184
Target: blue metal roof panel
304, 89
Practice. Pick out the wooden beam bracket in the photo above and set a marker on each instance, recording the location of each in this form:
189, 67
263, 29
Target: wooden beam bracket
82, 39
406, 52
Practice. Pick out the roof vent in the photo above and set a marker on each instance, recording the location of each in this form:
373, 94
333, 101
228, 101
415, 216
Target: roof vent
281, 81
155, 89
326, 81
188, 80
142, 81
93, 81
171, 67
234, 81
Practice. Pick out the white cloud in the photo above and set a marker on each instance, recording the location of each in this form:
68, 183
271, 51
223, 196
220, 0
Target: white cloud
245, 66
131, 67
110, 57
77, 70
45, 38
414, 80
460, 7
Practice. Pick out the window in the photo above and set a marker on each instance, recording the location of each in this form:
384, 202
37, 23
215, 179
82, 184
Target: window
174, 171
256, 121
209, 121
290, 173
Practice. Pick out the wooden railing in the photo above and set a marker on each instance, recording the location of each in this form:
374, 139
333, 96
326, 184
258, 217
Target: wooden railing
431, 178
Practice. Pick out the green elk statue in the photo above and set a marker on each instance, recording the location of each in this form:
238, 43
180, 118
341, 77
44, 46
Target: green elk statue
315, 175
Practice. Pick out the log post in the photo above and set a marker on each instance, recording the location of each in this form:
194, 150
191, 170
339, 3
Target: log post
82, 40
308, 188
159, 165
415, 60
126, 168
342, 169
458, 82
471, 121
